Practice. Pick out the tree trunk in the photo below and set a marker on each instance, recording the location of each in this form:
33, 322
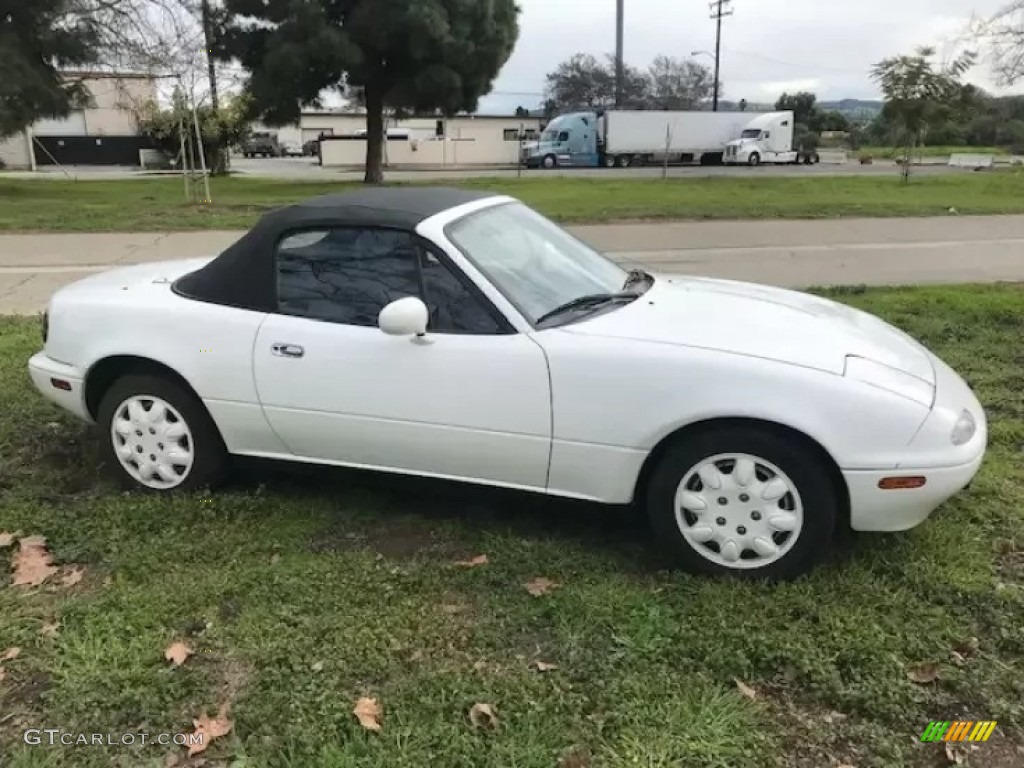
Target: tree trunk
374, 135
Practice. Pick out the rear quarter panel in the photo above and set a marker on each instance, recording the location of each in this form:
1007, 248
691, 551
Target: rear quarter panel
209, 345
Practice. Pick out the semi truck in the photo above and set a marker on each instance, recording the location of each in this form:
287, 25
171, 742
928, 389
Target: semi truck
768, 138
622, 138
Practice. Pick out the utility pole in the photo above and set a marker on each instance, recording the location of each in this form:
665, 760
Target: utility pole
719, 10
620, 66
208, 39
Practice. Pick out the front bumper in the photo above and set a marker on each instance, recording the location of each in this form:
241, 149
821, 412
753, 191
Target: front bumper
947, 468
61, 384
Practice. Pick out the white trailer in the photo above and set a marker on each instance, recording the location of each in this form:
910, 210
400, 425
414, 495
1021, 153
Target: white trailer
636, 137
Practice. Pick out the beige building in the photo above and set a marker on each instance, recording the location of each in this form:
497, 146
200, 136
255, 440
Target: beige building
109, 110
425, 141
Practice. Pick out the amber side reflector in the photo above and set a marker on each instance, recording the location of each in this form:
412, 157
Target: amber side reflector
61, 384
899, 483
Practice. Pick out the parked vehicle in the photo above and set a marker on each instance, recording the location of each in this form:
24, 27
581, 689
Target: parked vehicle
621, 138
769, 138
262, 144
461, 335
311, 148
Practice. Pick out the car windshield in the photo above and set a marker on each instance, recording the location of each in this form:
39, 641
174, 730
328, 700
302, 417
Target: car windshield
535, 264
550, 135
751, 133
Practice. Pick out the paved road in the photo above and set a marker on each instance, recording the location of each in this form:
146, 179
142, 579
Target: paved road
785, 253
306, 169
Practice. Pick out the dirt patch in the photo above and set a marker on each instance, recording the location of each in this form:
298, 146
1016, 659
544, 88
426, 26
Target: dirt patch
394, 541
28, 692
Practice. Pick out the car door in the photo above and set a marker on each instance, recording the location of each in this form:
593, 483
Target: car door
470, 400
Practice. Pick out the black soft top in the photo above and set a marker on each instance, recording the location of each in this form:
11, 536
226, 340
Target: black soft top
243, 275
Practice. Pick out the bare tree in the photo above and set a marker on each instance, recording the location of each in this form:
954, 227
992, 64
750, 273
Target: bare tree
1004, 35
679, 84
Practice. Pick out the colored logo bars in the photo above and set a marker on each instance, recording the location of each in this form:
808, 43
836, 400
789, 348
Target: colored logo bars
958, 730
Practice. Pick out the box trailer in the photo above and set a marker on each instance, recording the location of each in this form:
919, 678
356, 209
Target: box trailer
621, 138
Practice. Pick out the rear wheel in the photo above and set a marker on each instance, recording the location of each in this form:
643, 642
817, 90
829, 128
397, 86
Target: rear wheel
623, 161
745, 501
609, 161
159, 436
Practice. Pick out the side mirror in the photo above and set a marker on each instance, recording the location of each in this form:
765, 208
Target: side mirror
404, 317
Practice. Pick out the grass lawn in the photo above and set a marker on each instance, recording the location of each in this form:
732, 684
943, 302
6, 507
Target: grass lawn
891, 152
157, 204
300, 592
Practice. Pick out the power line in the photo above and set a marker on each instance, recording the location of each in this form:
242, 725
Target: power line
762, 57
719, 10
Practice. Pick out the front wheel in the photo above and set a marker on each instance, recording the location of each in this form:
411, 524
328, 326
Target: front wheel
743, 501
754, 159
550, 161
159, 436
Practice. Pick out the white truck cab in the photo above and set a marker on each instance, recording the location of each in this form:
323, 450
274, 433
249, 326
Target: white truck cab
768, 138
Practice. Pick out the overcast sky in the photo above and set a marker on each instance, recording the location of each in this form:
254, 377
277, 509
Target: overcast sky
768, 46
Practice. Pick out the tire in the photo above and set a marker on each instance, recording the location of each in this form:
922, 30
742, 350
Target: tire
201, 442
697, 539
610, 161
754, 159
550, 161
623, 161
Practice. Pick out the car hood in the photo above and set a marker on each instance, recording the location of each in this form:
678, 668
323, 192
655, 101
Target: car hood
760, 321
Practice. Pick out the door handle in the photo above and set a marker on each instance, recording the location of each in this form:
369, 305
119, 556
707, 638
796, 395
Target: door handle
288, 350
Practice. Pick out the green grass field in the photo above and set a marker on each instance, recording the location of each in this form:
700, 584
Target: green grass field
302, 591
158, 204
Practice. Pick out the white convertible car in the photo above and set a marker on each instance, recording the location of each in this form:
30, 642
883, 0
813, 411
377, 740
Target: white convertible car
461, 335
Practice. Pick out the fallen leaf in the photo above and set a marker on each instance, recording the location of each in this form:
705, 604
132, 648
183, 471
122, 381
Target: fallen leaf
483, 716
417, 655
473, 562
575, 758
922, 674
3, 674
50, 629
6, 539
957, 658
479, 665
10, 653
176, 653
275, 559
32, 564
968, 647
208, 729
543, 666
318, 666
72, 575
745, 690
958, 754
367, 711
451, 609
540, 586
108, 580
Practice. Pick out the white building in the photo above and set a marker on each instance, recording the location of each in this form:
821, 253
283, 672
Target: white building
109, 111
424, 141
